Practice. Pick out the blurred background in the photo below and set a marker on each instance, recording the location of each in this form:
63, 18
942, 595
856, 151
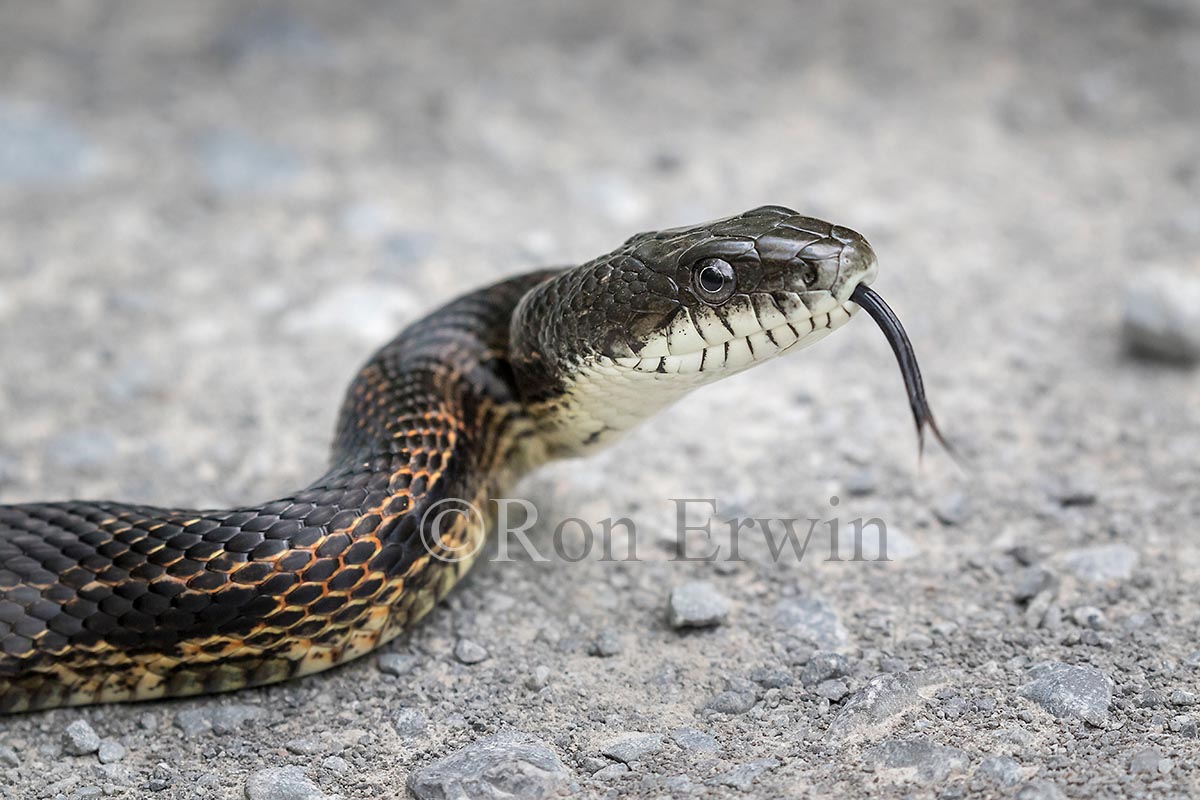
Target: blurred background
211, 213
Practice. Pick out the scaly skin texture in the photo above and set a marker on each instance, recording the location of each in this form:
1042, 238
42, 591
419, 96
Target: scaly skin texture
106, 601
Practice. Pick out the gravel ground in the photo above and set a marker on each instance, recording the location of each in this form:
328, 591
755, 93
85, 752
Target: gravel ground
211, 213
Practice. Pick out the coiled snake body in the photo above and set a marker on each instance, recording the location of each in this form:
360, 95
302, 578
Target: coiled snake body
105, 601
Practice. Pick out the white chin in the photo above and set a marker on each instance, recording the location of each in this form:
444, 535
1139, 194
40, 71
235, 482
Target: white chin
740, 352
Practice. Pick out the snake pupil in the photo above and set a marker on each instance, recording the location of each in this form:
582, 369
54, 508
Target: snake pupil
714, 279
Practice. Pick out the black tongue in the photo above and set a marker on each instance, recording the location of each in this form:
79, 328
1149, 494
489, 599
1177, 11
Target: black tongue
873, 304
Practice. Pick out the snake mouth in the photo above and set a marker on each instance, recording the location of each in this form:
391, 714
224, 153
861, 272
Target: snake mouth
906, 357
750, 329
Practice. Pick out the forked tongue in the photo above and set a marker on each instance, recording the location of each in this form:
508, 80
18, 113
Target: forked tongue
902, 347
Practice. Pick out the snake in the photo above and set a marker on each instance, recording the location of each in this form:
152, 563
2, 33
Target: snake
108, 602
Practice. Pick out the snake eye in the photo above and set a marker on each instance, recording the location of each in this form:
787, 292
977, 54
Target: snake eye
713, 280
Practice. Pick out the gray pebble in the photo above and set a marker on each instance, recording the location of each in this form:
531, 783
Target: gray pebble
731, 701
832, 690
823, 666
539, 679
743, 776
335, 764
1040, 790
610, 771
506, 765
87, 793
409, 722
813, 619
281, 783
1182, 697
1069, 691
771, 677
192, 722
953, 509
632, 746
606, 644
861, 483
882, 697
1030, 582
8, 757
1147, 761
79, 739
1162, 316
306, 746
999, 771
396, 664
227, 719
469, 652
697, 605
695, 741
1089, 617
111, 751
1103, 563
930, 762
917, 642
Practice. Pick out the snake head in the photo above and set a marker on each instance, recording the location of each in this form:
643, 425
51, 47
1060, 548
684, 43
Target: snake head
603, 345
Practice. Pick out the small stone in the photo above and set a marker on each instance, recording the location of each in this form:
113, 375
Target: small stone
610, 771
409, 722
882, 697
8, 757
506, 765
1040, 790
79, 739
397, 664
111, 751
227, 719
823, 666
306, 746
929, 762
695, 741
606, 644
1162, 316
336, 764
539, 679
1185, 726
192, 722
468, 652
1103, 563
281, 783
743, 776
1030, 582
813, 619
1181, 697
731, 701
832, 690
1000, 771
771, 677
1089, 617
1145, 761
953, 509
87, 793
697, 605
633, 746
1070, 691
861, 483
917, 642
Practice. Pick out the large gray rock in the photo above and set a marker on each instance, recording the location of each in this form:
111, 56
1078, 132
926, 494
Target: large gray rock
632, 746
79, 739
507, 765
1068, 691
